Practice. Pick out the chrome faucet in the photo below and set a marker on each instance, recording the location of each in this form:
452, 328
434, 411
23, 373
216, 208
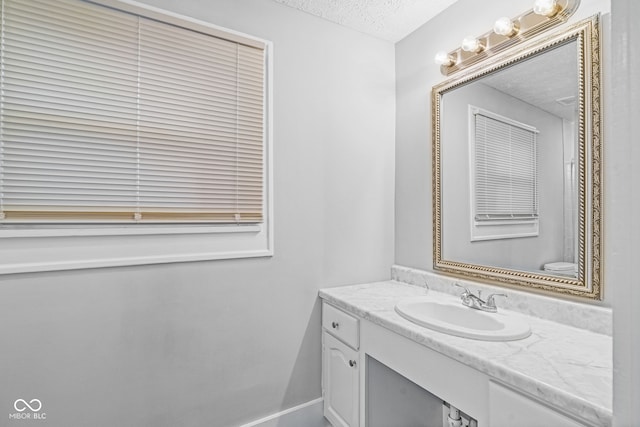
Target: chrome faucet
475, 301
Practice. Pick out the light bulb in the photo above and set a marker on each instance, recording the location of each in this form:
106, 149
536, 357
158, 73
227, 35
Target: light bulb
472, 44
443, 58
505, 27
545, 7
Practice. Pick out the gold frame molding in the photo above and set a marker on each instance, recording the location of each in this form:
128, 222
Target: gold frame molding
528, 24
588, 284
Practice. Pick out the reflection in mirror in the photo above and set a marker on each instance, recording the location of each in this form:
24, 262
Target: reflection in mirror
516, 127
511, 152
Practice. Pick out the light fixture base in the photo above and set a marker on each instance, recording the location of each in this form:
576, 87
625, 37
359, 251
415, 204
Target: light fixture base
528, 24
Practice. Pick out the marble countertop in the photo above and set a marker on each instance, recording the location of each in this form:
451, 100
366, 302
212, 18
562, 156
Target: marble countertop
567, 367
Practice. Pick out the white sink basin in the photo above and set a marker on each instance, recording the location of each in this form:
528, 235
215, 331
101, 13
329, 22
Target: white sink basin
456, 319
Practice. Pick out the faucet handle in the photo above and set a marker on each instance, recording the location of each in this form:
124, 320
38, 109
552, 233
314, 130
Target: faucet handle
466, 292
490, 300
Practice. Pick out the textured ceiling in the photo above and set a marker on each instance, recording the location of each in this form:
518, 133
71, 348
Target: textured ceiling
544, 80
386, 19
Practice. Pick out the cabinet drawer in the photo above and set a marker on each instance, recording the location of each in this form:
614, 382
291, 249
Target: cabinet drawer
340, 324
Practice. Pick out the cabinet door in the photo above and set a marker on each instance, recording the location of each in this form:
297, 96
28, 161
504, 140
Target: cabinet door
508, 408
340, 382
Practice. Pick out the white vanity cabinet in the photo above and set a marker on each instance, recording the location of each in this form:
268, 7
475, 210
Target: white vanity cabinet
340, 367
494, 383
509, 408
348, 343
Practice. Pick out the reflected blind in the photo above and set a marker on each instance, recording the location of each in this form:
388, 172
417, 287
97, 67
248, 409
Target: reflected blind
110, 116
505, 171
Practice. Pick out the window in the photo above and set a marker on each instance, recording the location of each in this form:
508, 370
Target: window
504, 177
132, 118
109, 116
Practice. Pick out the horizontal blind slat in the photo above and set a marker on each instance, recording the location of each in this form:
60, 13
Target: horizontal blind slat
505, 184
107, 114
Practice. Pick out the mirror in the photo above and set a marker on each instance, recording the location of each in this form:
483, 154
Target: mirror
517, 174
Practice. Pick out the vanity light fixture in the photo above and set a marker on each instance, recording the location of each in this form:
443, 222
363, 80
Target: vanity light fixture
472, 44
443, 58
505, 27
506, 33
546, 8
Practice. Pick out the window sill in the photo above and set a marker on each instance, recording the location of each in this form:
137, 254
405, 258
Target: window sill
57, 249
95, 230
496, 230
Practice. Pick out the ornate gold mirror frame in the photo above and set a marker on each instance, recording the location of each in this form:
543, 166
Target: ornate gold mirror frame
588, 280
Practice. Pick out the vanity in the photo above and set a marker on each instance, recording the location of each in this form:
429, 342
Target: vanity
558, 376
517, 208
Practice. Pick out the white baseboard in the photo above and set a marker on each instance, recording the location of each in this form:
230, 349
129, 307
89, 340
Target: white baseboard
308, 414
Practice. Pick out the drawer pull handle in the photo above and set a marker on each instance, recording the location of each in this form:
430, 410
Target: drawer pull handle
335, 325
352, 363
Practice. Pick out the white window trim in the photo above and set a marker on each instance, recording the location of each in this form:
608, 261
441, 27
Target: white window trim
56, 248
494, 229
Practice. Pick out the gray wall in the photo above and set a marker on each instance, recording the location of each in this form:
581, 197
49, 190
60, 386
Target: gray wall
623, 205
416, 74
226, 342
526, 253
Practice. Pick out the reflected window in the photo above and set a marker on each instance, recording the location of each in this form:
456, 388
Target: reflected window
504, 179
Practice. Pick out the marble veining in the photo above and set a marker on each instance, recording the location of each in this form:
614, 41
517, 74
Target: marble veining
580, 315
566, 367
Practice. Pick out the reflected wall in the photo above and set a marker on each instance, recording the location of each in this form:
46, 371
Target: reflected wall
527, 253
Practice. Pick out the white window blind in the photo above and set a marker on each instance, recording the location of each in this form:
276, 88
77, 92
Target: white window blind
108, 116
505, 170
